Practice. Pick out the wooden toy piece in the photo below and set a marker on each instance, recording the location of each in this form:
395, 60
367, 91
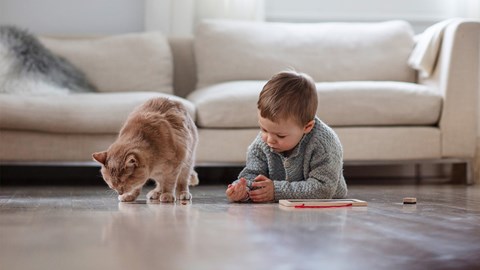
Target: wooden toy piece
409, 200
319, 203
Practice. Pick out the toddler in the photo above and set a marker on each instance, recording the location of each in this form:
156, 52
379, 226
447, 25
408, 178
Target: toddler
295, 155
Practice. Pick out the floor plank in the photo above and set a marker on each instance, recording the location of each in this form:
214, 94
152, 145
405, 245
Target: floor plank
86, 228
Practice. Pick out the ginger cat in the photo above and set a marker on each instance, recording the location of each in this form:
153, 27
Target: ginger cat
158, 142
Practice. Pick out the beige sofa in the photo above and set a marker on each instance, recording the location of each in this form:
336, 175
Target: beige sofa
382, 109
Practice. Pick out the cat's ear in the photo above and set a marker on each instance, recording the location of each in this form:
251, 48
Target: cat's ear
131, 161
100, 157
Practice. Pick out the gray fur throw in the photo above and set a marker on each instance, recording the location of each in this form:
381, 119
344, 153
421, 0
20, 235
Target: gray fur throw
28, 67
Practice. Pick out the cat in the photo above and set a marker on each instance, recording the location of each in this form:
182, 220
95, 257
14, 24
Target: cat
158, 142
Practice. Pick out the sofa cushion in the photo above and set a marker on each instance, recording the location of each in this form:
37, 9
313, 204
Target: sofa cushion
362, 103
233, 50
121, 63
227, 105
86, 113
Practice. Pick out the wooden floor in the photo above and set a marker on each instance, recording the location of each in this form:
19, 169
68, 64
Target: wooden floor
86, 228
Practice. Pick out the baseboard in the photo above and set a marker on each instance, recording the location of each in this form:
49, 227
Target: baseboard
75, 175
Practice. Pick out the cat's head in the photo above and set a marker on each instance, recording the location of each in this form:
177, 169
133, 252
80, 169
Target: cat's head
121, 171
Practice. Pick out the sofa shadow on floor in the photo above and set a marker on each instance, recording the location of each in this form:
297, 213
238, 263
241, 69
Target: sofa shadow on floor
74, 175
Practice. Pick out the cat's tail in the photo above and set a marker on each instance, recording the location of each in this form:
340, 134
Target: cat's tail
193, 179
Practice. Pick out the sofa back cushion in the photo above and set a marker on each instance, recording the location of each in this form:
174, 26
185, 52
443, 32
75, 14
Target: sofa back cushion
234, 50
82, 114
120, 63
347, 104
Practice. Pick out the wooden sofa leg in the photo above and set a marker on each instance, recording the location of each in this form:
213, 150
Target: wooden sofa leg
470, 171
463, 172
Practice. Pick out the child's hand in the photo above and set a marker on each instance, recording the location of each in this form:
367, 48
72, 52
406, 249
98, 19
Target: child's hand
237, 192
263, 190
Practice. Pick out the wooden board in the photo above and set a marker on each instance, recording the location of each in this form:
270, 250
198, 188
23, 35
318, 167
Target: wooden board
322, 203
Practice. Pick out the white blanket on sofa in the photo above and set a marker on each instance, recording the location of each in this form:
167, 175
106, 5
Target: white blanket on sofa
424, 56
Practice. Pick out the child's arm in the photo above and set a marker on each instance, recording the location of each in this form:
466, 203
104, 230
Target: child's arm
256, 163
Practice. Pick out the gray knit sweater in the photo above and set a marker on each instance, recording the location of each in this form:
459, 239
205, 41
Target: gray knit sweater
314, 169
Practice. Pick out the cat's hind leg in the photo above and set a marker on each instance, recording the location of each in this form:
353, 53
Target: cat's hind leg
182, 184
193, 178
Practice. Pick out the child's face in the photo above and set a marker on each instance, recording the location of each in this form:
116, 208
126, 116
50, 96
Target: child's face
284, 135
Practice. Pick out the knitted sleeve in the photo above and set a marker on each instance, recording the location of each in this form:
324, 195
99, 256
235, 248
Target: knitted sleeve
256, 163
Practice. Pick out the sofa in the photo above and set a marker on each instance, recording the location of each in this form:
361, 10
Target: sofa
384, 110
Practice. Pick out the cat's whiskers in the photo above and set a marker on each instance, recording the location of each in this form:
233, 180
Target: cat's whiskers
111, 193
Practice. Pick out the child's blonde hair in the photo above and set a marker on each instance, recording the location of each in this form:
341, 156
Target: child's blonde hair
289, 94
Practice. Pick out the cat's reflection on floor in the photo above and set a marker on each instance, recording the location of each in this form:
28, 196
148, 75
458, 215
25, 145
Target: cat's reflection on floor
143, 224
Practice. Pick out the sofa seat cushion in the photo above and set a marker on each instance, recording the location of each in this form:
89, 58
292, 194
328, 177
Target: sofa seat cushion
120, 63
86, 113
353, 103
238, 50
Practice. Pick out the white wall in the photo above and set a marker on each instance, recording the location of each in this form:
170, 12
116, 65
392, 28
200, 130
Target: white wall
420, 13
74, 17
171, 17
87, 17
179, 17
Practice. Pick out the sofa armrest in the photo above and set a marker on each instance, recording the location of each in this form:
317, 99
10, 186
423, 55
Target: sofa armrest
456, 76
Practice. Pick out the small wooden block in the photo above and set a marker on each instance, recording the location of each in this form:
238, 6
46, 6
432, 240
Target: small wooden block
409, 200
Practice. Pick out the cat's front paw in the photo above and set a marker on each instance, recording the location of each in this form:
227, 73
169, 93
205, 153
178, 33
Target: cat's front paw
185, 195
167, 197
153, 195
127, 198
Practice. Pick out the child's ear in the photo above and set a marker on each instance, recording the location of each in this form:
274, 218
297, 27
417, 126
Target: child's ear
309, 126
